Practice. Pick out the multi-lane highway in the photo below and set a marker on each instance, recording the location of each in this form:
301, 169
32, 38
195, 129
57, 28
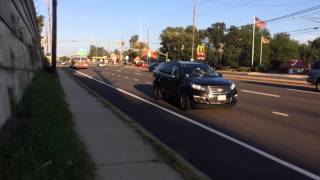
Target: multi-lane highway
272, 133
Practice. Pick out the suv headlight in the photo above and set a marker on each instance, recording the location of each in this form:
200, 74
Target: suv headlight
232, 86
198, 87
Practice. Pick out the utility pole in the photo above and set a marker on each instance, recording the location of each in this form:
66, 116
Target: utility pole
193, 29
121, 50
148, 44
49, 27
47, 39
54, 35
253, 36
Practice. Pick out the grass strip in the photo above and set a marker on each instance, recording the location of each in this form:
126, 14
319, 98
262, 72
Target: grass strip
39, 141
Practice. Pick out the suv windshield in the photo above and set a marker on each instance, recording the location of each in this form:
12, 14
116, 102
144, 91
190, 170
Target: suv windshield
198, 71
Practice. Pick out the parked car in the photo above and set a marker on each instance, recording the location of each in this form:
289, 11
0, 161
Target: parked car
152, 66
314, 75
196, 85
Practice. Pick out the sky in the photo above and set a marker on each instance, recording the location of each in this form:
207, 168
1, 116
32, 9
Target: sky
106, 22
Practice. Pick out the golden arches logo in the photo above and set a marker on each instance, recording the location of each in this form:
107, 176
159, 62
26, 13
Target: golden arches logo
200, 49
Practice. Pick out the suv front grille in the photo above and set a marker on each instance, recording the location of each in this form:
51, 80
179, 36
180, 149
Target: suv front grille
218, 89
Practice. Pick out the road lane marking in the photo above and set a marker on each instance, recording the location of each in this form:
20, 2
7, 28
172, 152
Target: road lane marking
112, 74
148, 82
138, 74
126, 77
214, 131
136, 80
259, 93
119, 75
280, 114
297, 90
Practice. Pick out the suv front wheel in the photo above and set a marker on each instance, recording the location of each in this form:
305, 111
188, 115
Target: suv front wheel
184, 101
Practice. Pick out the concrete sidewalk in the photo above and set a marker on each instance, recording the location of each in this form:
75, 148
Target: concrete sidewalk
116, 149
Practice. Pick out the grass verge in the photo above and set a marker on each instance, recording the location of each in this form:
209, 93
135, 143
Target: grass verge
39, 141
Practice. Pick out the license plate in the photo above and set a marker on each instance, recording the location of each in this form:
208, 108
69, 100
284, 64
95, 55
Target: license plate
222, 97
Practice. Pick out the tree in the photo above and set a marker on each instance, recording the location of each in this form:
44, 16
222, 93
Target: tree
216, 35
177, 42
40, 23
64, 58
97, 51
283, 49
133, 40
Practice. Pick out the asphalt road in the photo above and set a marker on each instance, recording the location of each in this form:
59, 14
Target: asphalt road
272, 133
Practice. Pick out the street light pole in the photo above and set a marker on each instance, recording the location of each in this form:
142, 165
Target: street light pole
54, 35
193, 29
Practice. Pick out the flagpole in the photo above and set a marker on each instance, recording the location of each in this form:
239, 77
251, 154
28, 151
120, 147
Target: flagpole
261, 51
253, 35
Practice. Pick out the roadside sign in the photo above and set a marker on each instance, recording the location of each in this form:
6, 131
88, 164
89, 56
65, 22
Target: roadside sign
201, 55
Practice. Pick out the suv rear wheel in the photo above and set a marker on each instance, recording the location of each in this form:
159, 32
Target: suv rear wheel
318, 85
184, 101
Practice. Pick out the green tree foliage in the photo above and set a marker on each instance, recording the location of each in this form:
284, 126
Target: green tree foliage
237, 51
177, 42
283, 49
64, 58
133, 40
40, 23
97, 51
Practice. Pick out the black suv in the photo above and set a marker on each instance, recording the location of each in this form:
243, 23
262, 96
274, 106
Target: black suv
314, 75
196, 85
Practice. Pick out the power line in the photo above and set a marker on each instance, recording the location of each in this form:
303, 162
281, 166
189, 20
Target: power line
300, 30
305, 32
295, 13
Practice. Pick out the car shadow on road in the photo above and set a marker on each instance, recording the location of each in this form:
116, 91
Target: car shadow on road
148, 90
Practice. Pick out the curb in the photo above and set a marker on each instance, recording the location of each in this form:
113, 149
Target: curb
191, 172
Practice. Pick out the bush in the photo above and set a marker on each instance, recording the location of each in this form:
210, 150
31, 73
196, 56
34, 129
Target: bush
244, 69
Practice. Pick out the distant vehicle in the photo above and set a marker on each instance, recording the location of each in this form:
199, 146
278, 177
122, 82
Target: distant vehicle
196, 85
63, 63
101, 64
314, 75
152, 66
142, 64
79, 63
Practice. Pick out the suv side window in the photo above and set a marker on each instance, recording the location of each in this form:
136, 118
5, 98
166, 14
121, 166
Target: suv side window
316, 65
165, 68
175, 70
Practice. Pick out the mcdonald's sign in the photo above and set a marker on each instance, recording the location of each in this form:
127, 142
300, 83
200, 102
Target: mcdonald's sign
201, 54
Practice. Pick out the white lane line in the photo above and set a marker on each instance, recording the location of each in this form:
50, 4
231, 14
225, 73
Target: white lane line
264, 94
225, 136
280, 114
119, 75
126, 77
297, 90
118, 70
136, 80
112, 74
138, 74
148, 82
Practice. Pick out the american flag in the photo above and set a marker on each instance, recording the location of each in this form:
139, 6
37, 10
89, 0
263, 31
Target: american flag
259, 23
265, 40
